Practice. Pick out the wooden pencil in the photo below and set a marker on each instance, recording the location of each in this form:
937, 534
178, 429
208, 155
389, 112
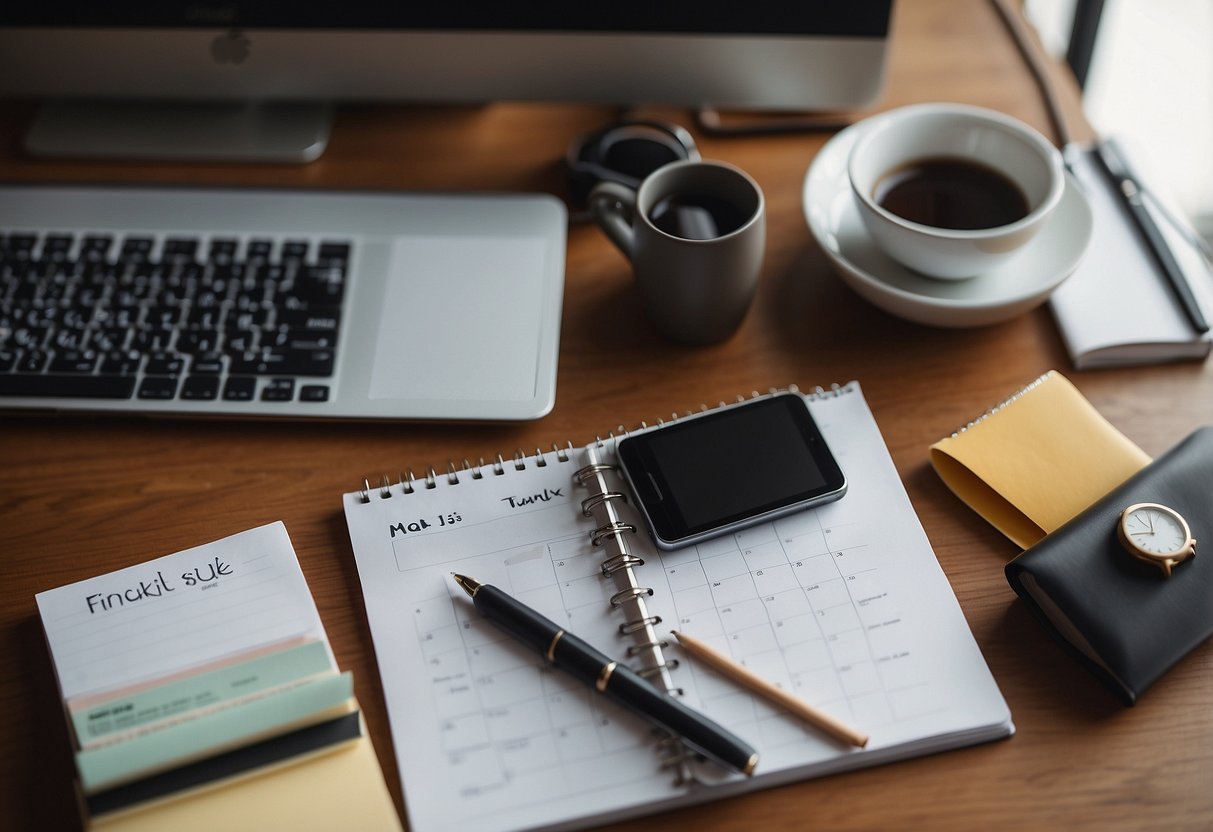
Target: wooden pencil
746, 677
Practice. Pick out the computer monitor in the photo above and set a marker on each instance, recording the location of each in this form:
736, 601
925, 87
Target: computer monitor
253, 72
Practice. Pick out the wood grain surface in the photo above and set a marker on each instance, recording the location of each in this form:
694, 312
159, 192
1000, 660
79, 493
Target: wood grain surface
80, 495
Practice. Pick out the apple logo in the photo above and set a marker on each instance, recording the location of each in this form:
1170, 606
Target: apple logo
231, 48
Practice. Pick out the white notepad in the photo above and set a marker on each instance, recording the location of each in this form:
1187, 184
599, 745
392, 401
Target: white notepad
844, 605
1117, 309
201, 691
172, 615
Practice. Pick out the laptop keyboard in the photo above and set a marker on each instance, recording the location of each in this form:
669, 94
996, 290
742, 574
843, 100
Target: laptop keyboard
161, 317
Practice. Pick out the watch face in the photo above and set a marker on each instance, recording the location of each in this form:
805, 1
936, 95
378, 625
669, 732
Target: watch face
1155, 530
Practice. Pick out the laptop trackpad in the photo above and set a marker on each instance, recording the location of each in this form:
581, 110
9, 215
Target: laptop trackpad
461, 319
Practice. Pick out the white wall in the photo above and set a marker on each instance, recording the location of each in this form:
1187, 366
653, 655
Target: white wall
1151, 80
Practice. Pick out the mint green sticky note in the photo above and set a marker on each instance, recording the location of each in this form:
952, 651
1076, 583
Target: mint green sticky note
112, 765
203, 690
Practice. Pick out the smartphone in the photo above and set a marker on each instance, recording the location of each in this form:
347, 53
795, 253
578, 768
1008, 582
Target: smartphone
714, 473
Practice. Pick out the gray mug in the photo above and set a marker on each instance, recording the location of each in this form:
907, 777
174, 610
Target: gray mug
695, 233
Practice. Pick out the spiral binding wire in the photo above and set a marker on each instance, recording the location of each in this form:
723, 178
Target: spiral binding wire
611, 533
1010, 400
407, 481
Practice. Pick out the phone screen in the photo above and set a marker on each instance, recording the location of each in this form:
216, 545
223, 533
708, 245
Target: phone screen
730, 468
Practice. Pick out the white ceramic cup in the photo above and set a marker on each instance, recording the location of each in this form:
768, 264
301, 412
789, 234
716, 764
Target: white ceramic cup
957, 131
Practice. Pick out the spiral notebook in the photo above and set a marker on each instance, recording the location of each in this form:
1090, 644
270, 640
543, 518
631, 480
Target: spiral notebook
844, 605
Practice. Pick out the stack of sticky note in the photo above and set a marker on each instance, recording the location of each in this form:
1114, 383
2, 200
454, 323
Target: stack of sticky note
1037, 460
201, 686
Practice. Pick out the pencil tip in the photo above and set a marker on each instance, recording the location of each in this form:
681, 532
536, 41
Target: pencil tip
748, 771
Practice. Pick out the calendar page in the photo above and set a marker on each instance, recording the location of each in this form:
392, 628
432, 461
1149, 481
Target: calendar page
845, 606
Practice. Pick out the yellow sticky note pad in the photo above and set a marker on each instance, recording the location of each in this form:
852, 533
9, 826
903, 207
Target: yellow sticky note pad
342, 789
1037, 460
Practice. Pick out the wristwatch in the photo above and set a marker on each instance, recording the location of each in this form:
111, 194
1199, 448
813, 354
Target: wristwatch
1156, 534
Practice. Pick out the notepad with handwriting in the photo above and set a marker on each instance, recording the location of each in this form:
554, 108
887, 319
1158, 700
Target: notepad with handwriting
178, 613
844, 605
203, 681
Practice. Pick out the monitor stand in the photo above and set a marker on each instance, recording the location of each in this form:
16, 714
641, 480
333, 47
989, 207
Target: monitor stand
198, 131
713, 122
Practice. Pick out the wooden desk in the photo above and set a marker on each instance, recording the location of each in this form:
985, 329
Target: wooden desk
82, 496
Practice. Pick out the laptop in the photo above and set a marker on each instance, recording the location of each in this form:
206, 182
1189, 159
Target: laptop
280, 303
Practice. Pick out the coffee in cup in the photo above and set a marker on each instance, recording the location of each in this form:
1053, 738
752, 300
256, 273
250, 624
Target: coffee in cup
697, 216
695, 233
953, 191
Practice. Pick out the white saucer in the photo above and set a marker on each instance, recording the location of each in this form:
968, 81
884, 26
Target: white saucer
1020, 284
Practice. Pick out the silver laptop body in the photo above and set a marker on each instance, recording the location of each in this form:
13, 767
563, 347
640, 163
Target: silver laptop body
450, 304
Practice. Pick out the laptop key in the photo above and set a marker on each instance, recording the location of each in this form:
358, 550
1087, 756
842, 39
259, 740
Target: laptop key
74, 361
95, 247
178, 248
152, 339
279, 390
210, 364
32, 361
240, 342
68, 340
197, 341
29, 338
162, 316
320, 284
246, 319
64, 386
284, 362
158, 387
107, 340
259, 250
18, 243
314, 317
314, 393
136, 249
294, 250
200, 388
57, 246
333, 254
302, 339
239, 389
121, 363
164, 364
222, 250
204, 317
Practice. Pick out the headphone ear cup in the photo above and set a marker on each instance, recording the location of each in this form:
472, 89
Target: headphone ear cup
584, 171
624, 153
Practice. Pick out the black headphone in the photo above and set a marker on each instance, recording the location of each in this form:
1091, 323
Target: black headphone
625, 152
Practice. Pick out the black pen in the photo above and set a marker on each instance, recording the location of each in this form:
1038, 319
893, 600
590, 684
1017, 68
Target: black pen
619, 682
1126, 183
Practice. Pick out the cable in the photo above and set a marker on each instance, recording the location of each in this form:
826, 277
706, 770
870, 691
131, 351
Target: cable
1017, 28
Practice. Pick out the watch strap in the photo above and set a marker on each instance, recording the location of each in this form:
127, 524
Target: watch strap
1119, 616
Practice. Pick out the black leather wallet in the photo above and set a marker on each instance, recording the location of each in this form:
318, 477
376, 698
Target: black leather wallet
1119, 616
